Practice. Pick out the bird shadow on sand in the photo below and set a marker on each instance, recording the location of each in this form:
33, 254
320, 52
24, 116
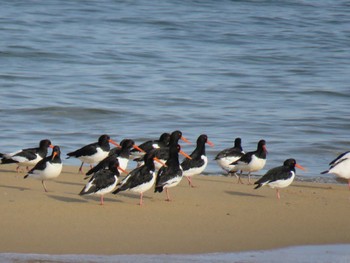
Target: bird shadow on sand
21, 188
236, 193
70, 183
67, 199
324, 187
92, 198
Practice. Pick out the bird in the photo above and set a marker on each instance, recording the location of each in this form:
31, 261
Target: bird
103, 181
140, 179
198, 162
147, 146
163, 153
48, 168
252, 161
121, 153
27, 157
279, 177
171, 173
229, 155
340, 166
94, 152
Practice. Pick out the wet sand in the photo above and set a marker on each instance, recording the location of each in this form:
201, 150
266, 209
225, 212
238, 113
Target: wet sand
216, 216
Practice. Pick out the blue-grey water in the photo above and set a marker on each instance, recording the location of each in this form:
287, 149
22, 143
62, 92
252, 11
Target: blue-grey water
274, 70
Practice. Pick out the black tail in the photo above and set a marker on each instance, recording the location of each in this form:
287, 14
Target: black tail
116, 191
25, 176
258, 185
6, 161
324, 172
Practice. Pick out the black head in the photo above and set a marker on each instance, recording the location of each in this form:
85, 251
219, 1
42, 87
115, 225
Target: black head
45, 143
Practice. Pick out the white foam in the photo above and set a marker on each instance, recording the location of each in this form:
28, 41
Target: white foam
300, 254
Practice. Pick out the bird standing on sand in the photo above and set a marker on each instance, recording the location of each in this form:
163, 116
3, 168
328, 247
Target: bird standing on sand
121, 153
147, 146
48, 168
229, 155
198, 162
340, 166
103, 181
26, 157
170, 174
163, 153
94, 152
252, 161
141, 179
279, 177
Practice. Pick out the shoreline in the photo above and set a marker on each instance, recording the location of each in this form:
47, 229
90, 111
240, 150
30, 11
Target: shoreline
218, 216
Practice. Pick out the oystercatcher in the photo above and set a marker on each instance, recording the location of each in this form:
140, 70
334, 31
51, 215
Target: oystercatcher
227, 156
26, 157
198, 162
279, 177
94, 152
48, 168
252, 161
141, 179
170, 174
104, 181
340, 166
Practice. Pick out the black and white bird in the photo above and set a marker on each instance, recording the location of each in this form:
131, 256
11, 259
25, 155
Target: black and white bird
141, 179
94, 152
198, 162
279, 177
170, 174
27, 157
163, 153
48, 168
252, 161
147, 146
121, 153
340, 166
226, 157
103, 181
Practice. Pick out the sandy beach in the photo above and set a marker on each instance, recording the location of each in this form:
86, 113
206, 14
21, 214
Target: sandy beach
216, 216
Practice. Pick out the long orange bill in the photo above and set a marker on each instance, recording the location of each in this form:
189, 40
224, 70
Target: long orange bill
53, 155
210, 143
264, 148
122, 170
138, 148
185, 154
185, 140
51, 146
113, 142
159, 161
300, 167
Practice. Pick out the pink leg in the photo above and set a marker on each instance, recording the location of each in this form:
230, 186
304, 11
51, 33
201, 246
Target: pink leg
190, 181
81, 167
101, 203
141, 199
167, 195
278, 193
43, 183
249, 182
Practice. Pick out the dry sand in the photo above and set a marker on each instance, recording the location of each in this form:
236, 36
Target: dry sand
216, 216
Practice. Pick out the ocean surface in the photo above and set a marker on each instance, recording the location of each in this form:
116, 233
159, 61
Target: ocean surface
274, 70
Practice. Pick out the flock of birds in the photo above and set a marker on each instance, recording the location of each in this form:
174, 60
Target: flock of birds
158, 164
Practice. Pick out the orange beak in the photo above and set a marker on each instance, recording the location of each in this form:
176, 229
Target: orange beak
121, 169
54, 155
159, 161
113, 142
210, 143
185, 154
300, 167
264, 148
185, 140
138, 148
51, 146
